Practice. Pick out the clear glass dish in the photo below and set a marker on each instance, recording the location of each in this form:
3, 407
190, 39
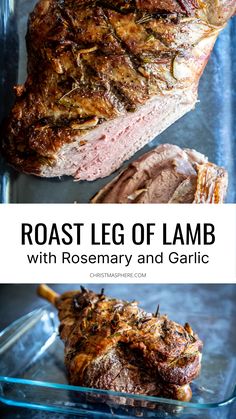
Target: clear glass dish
32, 374
210, 128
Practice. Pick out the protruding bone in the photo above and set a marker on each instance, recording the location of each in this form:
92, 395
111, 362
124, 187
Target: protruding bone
47, 293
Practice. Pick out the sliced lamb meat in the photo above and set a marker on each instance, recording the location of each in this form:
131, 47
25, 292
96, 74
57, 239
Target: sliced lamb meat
104, 78
115, 345
167, 174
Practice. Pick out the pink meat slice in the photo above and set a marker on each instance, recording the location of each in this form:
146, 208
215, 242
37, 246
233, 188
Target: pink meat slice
167, 174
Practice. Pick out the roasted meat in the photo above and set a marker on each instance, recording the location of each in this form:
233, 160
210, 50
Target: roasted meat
167, 174
106, 77
115, 345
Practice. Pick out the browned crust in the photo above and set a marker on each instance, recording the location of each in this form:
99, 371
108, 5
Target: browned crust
92, 325
99, 60
212, 183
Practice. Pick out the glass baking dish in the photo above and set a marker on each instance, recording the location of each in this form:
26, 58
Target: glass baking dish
33, 374
210, 128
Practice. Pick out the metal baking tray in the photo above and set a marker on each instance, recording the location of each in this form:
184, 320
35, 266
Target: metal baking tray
32, 374
210, 128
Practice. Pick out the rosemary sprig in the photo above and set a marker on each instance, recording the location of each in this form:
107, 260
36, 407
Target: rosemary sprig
145, 18
68, 93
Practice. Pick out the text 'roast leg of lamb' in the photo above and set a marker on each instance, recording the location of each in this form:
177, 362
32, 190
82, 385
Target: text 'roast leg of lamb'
115, 345
167, 174
104, 78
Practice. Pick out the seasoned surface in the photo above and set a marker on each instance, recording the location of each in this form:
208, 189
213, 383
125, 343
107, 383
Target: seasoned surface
113, 344
92, 61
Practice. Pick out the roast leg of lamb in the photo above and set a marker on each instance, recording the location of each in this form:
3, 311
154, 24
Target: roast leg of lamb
106, 77
115, 345
167, 174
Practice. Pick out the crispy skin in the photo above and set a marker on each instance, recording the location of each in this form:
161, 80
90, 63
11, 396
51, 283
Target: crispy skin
211, 184
113, 344
92, 61
167, 174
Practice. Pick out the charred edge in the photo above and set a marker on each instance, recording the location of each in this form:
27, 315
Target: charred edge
89, 71
75, 303
76, 4
124, 10
27, 161
185, 5
121, 97
65, 15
